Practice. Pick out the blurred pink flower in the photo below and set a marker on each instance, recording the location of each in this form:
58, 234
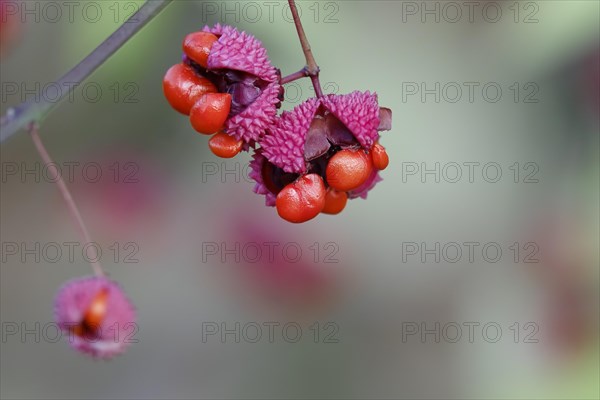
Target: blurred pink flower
10, 25
303, 285
569, 322
126, 192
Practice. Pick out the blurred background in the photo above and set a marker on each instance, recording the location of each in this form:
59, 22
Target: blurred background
505, 93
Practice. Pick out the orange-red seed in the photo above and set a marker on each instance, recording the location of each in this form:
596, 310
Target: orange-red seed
197, 47
94, 315
380, 157
335, 201
224, 146
183, 87
302, 200
348, 169
210, 112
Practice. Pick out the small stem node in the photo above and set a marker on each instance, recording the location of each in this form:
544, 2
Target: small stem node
312, 69
303, 73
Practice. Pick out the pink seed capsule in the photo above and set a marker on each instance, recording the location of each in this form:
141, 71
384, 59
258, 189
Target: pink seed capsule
96, 315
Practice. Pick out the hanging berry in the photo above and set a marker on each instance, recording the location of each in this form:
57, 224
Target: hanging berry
379, 157
96, 316
227, 85
332, 140
335, 201
224, 146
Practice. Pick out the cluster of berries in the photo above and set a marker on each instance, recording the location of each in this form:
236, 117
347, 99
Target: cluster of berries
307, 161
227, 86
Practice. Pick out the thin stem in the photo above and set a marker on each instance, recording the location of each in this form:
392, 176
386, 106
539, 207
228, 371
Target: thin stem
66, 194
303, 73
20, 116
311, 65
317, 85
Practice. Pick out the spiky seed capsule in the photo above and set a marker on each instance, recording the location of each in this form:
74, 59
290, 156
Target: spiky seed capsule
97, 314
